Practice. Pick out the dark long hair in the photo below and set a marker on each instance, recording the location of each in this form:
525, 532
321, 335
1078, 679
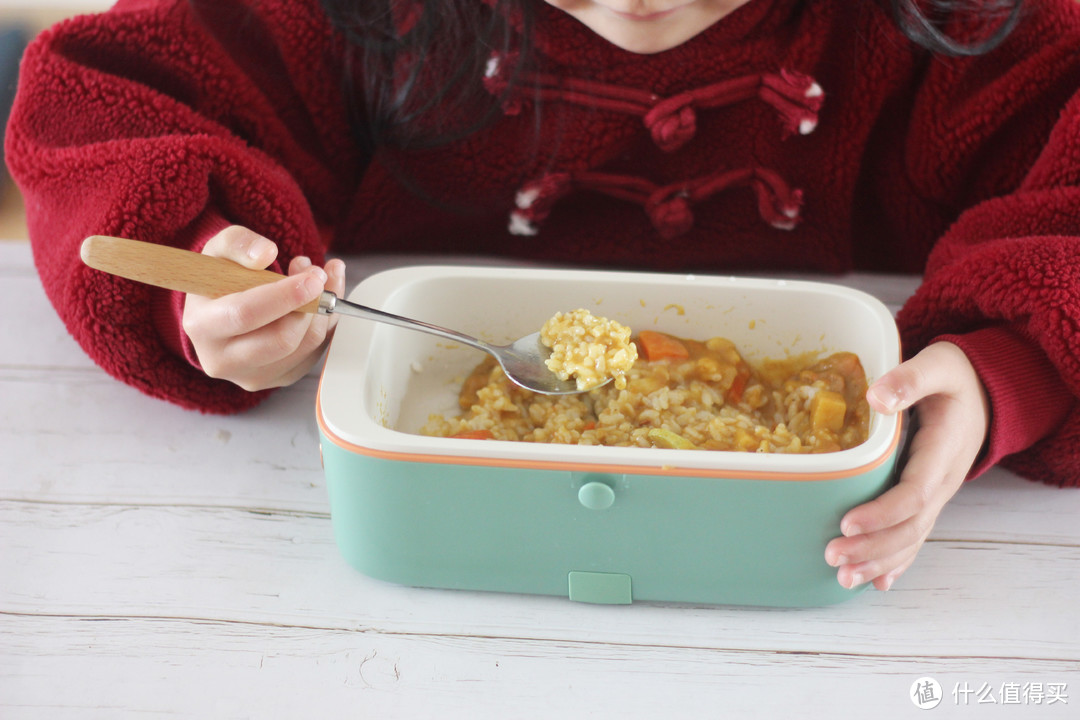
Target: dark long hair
386, 45
922, 21
457, 36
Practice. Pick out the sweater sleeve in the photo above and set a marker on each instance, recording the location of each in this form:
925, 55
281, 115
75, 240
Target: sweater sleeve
1028, 398
1011, 259
165, 121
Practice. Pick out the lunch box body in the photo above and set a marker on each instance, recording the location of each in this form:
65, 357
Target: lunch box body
594, 524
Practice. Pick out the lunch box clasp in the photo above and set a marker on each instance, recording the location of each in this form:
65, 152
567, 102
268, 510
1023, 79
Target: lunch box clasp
595, 491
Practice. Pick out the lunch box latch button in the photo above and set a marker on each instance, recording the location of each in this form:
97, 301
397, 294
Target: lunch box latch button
600, 588
596, 495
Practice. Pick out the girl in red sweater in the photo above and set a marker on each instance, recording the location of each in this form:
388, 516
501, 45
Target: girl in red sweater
725, 135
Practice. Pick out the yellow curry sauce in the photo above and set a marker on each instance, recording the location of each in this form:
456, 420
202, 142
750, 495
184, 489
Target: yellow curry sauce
681, 393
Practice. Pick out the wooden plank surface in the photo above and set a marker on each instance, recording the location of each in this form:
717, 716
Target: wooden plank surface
155, 561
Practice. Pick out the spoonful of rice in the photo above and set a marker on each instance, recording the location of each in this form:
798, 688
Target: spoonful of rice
575, 352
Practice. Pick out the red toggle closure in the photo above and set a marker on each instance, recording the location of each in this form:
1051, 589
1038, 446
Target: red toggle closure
671, 121
670, 214
669, 207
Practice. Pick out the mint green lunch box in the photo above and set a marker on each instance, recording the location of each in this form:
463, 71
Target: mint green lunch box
594, 524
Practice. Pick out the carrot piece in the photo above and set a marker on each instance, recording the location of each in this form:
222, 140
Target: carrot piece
738, 385
474, 435
658, 346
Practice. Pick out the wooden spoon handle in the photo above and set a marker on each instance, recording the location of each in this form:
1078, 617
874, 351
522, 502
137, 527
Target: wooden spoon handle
175, 269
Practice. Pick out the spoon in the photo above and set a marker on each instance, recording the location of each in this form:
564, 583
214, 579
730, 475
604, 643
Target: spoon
171, 268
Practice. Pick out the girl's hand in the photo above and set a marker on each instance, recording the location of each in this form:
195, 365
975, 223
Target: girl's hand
253, 338
881, 537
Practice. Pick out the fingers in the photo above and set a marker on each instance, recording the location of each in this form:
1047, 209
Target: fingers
927, 472
873, 554
243, 246
885, 581
247, 311
336, 270
273, 342
882, 537
334, 274
882, 573
254, 338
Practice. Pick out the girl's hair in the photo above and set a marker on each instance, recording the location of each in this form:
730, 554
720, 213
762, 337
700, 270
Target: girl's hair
387, 41
921, 22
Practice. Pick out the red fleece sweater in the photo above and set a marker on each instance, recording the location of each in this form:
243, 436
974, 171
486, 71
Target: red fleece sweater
804, 135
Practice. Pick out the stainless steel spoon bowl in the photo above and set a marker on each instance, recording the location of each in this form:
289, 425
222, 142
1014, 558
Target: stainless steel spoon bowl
523, 360
171, 268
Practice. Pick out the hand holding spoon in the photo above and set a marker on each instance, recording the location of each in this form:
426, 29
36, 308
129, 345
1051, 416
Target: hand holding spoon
171, 268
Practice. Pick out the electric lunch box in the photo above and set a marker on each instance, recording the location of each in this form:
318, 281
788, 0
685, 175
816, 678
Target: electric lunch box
594, 524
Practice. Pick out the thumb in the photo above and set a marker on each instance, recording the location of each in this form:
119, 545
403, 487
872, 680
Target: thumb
893, 392
935, 370
904, 385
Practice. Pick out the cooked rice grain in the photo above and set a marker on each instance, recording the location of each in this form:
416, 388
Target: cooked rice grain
698, 402
588, 348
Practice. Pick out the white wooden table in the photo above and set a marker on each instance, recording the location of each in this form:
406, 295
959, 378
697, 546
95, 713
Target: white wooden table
159, 562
